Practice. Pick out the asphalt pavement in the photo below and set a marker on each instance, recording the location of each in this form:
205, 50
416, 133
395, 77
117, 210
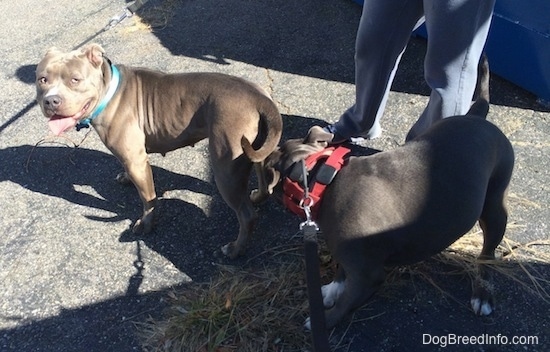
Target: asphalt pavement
74, 278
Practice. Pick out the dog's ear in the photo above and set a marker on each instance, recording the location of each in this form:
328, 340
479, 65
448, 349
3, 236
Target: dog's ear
273, 177
94, 52
52, 51
317, 135
272, 174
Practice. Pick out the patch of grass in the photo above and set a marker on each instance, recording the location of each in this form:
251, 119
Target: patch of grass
236, 311
264, 310
156, 17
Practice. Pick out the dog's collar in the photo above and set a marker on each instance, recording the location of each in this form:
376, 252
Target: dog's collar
320, 176
113, 85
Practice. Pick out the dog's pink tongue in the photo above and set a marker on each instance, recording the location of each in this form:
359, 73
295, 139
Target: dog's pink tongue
59, 124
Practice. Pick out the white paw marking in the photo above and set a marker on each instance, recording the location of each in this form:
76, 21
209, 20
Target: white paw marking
307, 324
331, 292
480, 307
225, 249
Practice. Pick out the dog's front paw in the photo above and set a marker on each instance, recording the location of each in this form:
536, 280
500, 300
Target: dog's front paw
482, 299
331, 292
143, 225
123, 178
332, 316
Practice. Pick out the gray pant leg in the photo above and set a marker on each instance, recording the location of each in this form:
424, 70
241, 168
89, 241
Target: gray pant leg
457, 31
384, 31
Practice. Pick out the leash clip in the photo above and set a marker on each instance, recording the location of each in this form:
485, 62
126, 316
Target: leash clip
118, 18
128, 12
308, 227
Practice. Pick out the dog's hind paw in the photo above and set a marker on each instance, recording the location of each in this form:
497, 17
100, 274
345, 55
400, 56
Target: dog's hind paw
482, 298
481, 307
230, 250
257, 196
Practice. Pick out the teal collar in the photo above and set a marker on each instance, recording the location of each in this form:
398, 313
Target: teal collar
113, 85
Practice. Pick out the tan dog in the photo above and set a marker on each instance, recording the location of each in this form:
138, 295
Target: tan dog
137, 111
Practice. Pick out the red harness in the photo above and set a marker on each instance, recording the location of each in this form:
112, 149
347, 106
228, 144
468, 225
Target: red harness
294, 197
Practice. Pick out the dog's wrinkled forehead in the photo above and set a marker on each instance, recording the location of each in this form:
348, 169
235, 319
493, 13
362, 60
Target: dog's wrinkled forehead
57, 63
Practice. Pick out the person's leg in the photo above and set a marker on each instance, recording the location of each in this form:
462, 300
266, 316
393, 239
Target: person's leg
457, 31
383, 34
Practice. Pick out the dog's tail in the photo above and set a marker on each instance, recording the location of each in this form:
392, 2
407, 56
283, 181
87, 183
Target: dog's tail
481, 95
269, 130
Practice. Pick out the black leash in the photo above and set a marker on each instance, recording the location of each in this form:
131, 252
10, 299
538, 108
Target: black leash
316, 307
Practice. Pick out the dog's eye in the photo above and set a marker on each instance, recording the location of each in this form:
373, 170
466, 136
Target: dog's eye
75, 80
42, 80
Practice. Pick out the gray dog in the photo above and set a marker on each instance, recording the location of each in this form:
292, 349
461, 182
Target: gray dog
137, 111
402, 206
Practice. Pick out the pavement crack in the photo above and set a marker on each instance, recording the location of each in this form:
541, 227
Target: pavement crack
282, 107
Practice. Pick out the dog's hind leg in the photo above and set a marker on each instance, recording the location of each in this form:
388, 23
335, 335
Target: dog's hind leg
493, 224
232, 181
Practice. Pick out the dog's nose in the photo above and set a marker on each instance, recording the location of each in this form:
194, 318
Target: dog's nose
53, 101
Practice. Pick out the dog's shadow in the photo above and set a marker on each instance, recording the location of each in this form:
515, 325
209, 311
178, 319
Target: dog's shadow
86, 177
60, 171
185, 233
